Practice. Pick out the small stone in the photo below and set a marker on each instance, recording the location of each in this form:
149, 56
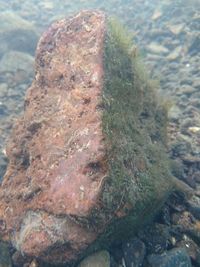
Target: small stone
177, 168
194, 129
174, 113
99, 259
157, 48
196, 83
194, 208
3, 90
47, 5
176, 29
134, 252
196, 176
3, 109
186, 81
194, 232
157, 14
186, 124
16, 33
194, 46
181, 147
14, 61
156, 238
173, 241
33, 264
189, 159
183, 219
18, 259
186, 89
175, 257
174, 66
195, 102
175, 54
5, 258
192, 249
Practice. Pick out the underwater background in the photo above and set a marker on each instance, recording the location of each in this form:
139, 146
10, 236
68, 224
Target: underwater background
166, 35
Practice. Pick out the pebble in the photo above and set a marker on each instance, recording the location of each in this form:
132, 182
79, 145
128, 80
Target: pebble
194, 129
192, 249
98, 259
134, 252
5, 259
175, 54
174, 113
157, 48
183, 219
194, 208
194, 45
185, 125
194, 233
196, 176
176, 29
181, 147
177, 257
157, 14
13, 61
186, 90
3, 90
156, 238
177, 168
196, 83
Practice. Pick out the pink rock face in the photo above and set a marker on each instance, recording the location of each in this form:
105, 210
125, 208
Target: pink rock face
56, 152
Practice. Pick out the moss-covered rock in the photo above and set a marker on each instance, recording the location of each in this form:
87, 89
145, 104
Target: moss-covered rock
134, 126
87, 162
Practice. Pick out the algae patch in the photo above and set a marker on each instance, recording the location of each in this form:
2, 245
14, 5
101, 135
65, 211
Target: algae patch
134, 126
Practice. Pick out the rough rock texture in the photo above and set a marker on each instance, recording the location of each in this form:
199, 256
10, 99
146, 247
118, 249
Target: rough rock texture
86, 161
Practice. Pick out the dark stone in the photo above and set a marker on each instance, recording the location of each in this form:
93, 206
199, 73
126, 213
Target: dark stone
194, 209
192, 249
180, 148
194, 46
156, 238
177, 257
5, 258
134, 252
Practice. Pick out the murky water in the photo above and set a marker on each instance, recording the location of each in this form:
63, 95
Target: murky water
167, 36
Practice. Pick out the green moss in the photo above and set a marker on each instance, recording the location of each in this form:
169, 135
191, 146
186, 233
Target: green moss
133, 122
134, 125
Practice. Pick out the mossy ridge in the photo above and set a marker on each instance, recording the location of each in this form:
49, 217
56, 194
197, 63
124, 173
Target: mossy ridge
134, 125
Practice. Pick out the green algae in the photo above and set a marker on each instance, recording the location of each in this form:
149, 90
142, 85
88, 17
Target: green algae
134, 126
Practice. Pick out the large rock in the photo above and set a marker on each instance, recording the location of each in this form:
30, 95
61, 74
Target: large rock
86, 161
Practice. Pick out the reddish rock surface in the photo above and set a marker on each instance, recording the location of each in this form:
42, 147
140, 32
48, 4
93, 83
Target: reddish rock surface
54, 147
83, 156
